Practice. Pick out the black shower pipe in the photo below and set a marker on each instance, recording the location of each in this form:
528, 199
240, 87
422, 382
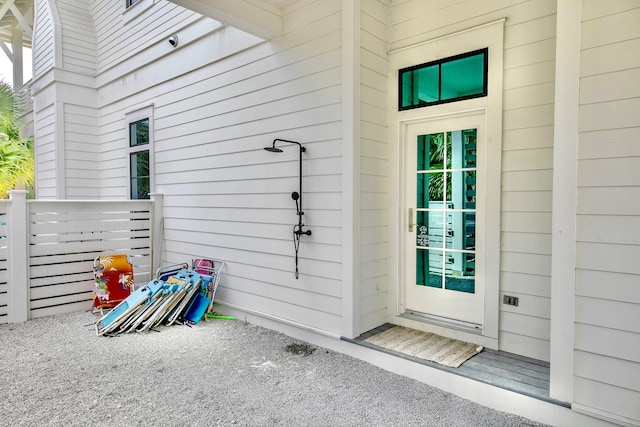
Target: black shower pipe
294, 195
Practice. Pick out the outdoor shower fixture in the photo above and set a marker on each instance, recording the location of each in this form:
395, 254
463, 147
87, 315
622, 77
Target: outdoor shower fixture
298, 229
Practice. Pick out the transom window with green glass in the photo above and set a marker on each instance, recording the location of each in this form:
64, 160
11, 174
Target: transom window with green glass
446, 210
451, 79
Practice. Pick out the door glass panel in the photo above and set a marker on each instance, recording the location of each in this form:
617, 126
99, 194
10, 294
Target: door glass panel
445, 217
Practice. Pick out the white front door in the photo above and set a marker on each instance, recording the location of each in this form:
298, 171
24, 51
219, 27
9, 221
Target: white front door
442, 268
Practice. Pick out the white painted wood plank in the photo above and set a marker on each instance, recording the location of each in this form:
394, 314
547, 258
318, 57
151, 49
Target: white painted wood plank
276, 256
596, 9
408, 23
522, 160
608, 314
528, 96
314, 75
606, 201
329, 322
373, 20
608, 229
531, 138
531, 53
610, 57
613, 400
610, 143
540, 115
611, 86
620, 286
608, 342
526, 222
528, 326
534, 74
609, 115
311, 302
526, 242
608, 257
526, 201
540, 180
617, 372
118, 246
36, 304
610, 29
618, 172
68, 307
526, 263
525, 284
525, 32
69, 276
54, 292
526, 346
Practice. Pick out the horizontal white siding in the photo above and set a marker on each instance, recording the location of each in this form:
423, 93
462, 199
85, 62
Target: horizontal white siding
374, 169
45, 131
114, 32
527, 165
218, 99
607, 357
43, 38
78, 37
527, 169
81, 152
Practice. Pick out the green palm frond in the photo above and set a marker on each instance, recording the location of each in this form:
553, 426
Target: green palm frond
16, 154
16, 165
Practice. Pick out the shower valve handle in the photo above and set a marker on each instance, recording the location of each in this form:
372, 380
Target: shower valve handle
299, 231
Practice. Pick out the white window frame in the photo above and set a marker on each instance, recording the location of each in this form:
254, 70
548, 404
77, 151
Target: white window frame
131, 117
491, 36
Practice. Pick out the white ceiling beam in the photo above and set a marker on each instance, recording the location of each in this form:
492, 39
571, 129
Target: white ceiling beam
5, 8
254, 17
26, 26
6, 50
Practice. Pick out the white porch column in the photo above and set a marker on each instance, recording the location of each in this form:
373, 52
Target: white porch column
18, 67
351, 167
157, 231
563, 241
17, 258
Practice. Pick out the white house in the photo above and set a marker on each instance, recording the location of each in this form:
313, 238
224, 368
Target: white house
534, 103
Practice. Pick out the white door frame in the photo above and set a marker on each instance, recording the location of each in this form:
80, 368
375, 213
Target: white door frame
488, 35
474, 302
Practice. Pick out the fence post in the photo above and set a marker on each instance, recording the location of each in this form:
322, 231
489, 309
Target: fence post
157, 225
17, 258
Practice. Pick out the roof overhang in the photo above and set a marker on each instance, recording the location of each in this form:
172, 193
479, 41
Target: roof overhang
16, 15
256, 17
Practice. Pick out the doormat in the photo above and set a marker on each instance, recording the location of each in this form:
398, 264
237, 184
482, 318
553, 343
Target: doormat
424, 345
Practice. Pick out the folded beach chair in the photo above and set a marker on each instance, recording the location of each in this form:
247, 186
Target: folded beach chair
209, 270
128, 309
113, 277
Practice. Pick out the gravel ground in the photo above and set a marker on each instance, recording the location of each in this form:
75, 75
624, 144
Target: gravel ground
56, 371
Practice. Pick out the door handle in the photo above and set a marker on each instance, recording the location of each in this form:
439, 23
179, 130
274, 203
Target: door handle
411, 224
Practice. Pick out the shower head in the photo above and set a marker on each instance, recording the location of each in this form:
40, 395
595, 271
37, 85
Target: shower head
273, 149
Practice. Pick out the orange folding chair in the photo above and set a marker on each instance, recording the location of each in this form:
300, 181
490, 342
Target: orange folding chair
113, 276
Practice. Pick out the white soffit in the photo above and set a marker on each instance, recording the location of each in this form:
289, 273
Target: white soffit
257, 17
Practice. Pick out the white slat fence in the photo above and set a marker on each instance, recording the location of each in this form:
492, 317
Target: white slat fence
47, 248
